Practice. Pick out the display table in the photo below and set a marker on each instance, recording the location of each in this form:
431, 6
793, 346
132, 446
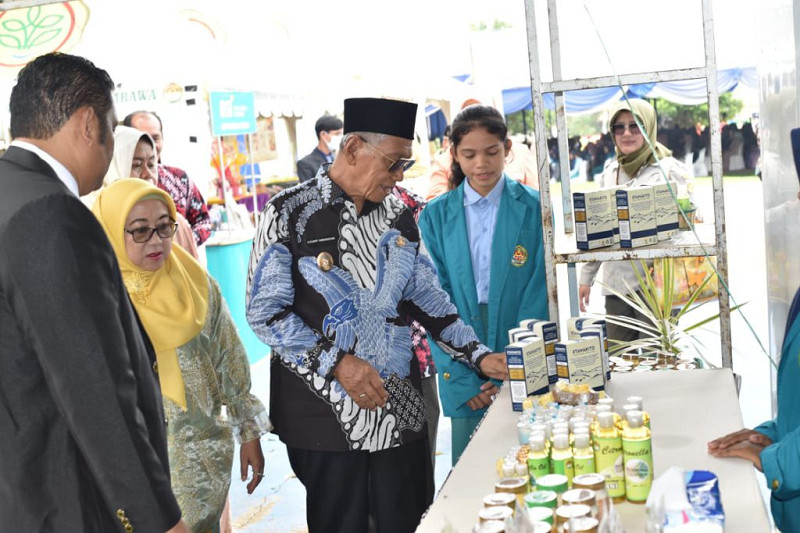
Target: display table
687, 409
228, 254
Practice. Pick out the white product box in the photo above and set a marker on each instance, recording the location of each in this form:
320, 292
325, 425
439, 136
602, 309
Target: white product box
548, 331
595, 218
636, 211
527, 370
581, 361
666, 210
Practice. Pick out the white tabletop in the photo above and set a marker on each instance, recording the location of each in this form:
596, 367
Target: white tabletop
687, 409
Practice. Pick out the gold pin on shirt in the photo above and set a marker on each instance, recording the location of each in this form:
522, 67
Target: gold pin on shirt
325, 261
401, 241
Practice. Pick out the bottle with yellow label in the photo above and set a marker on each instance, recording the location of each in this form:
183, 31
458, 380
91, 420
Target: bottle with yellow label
583, 454
637, 454
608, 455
561, 457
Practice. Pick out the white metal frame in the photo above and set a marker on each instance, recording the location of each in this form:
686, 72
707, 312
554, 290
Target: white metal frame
553, 257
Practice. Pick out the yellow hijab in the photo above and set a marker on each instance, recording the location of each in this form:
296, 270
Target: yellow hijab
172, 302
647, 117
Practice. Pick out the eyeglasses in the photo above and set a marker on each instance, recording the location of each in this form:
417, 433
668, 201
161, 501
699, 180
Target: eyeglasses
396, 164
144, 234
619, 129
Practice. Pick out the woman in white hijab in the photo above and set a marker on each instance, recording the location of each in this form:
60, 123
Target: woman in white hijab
135, 157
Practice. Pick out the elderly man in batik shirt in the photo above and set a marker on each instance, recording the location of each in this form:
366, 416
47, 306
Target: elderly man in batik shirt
335, 270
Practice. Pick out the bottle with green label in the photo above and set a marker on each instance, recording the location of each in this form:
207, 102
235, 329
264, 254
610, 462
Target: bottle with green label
637, 454
538, 458
583, 454
608, 455
561, 457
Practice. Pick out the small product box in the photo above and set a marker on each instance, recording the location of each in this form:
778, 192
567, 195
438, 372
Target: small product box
595, 218
599, 333
548, 331
636, 211
527, 370
575, 327
581, 362
666, 210
513, 332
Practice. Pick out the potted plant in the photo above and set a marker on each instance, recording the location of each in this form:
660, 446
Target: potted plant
663, 336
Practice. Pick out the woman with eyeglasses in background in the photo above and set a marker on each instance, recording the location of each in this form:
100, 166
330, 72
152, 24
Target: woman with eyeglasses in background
634, 166
200, 362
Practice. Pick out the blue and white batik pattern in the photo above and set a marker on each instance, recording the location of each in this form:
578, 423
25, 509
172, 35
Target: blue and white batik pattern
376, 272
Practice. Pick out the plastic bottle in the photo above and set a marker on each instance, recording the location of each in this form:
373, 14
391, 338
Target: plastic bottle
637, 453
623, 416
610, 403
608, 455
639, 401
583, 455
561, 457
538, 458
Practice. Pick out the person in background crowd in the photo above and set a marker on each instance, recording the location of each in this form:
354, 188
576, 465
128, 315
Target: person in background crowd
334, 272
329, 135
135, 157
201, 363
81, 423
774, 446
635, 165
187, 197
485, 238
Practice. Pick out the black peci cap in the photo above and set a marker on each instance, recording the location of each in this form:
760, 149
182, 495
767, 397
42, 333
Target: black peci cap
378, 115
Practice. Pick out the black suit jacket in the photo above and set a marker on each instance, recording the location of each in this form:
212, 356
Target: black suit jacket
82, 436
308, 166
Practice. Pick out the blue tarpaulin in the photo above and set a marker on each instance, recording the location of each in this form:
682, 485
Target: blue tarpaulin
437, 122
682, 92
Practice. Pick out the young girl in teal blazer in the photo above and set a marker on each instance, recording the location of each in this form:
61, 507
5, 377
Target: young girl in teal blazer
485, 238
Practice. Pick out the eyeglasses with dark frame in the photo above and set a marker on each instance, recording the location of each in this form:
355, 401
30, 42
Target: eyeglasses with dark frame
395, 164
144, 234
619, 128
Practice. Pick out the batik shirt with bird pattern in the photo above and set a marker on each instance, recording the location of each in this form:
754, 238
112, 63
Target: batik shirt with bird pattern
312, 314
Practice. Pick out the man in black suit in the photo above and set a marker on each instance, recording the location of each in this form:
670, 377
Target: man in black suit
329, 135
82, 437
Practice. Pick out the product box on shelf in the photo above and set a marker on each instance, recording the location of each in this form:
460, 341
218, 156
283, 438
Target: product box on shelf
636, 212
666, 210
595, 218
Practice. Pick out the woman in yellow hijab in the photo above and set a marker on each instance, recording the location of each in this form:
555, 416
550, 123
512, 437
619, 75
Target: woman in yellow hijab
201, 363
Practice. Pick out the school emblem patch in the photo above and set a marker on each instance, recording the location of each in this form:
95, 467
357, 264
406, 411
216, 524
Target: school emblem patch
520, 256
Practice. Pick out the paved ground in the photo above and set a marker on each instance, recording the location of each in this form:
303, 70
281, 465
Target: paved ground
278, 505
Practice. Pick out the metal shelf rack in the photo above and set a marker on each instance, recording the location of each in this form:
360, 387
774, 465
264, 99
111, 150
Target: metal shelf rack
568, 254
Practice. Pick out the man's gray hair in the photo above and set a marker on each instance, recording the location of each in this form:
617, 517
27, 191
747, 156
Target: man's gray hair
370, 137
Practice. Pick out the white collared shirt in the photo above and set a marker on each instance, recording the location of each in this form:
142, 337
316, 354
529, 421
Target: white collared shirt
61, 171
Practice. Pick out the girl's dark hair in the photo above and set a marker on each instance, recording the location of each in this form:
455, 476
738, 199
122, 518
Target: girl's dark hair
470, 118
